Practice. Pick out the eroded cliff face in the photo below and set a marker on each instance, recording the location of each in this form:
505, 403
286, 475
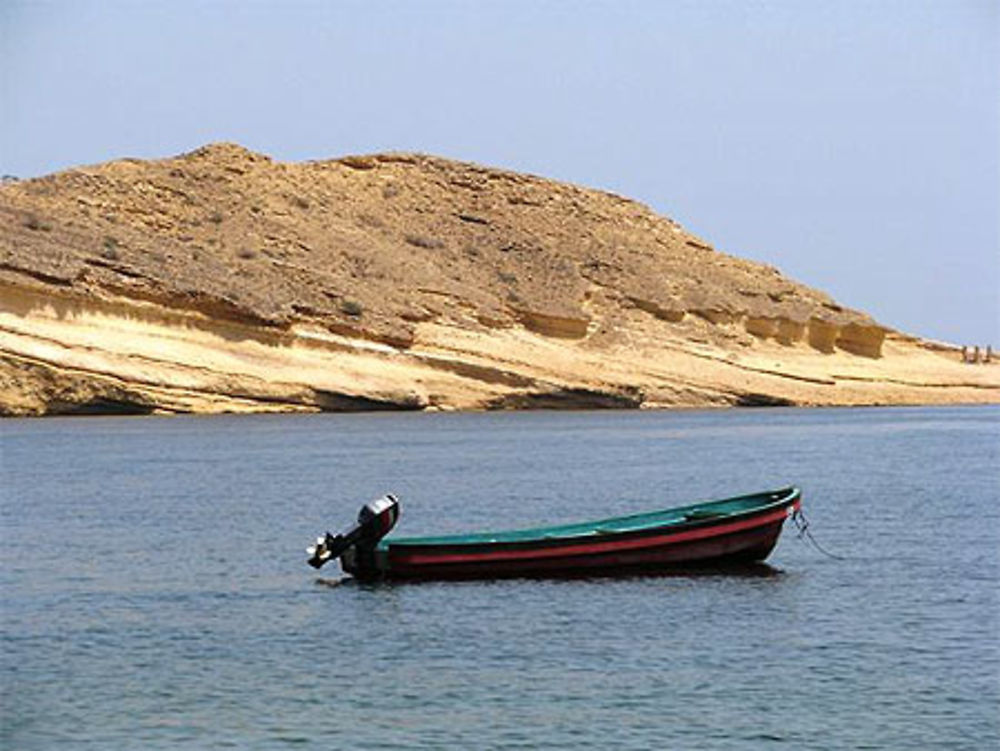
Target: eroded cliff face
224, 281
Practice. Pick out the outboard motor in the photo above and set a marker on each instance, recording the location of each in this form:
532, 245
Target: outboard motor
374, 522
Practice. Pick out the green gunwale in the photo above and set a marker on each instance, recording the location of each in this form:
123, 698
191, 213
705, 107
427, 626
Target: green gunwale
705, 510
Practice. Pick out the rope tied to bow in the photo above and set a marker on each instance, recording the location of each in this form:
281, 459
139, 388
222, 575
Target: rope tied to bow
802, 524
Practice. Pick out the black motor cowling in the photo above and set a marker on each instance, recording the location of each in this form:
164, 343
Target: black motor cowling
374, 522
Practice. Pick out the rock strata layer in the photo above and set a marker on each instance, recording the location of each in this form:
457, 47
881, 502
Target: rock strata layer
224, 281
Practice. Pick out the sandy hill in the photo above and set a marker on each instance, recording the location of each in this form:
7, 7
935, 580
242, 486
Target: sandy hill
222, 280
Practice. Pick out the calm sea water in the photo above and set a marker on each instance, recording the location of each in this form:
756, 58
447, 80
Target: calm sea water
155, 591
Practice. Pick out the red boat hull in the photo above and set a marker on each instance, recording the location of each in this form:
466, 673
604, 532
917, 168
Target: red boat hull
695, 545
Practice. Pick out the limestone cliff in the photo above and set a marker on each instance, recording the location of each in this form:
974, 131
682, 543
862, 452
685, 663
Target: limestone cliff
222, 280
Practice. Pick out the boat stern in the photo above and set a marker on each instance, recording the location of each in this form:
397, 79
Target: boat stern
355, 546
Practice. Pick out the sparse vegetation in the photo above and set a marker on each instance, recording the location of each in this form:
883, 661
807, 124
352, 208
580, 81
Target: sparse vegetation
110, 248
351, 308
247, 254
390, 191
215, 217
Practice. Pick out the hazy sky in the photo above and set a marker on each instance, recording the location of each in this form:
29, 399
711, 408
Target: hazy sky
854, 145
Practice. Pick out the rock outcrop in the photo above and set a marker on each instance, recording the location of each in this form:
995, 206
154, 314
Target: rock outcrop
222, 280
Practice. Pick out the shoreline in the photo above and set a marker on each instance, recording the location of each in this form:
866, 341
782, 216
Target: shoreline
435, 411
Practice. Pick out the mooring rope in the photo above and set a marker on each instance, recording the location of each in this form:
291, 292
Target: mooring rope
803, 526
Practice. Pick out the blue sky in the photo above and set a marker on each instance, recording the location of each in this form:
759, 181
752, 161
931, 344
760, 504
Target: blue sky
854, 145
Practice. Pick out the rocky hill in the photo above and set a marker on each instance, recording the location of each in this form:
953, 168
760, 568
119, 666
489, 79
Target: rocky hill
222, 280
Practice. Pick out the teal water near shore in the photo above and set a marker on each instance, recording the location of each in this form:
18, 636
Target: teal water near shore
156, 595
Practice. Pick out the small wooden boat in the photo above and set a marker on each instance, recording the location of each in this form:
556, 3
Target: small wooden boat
741, 530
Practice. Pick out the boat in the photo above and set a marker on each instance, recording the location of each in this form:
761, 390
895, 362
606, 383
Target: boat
709, 535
